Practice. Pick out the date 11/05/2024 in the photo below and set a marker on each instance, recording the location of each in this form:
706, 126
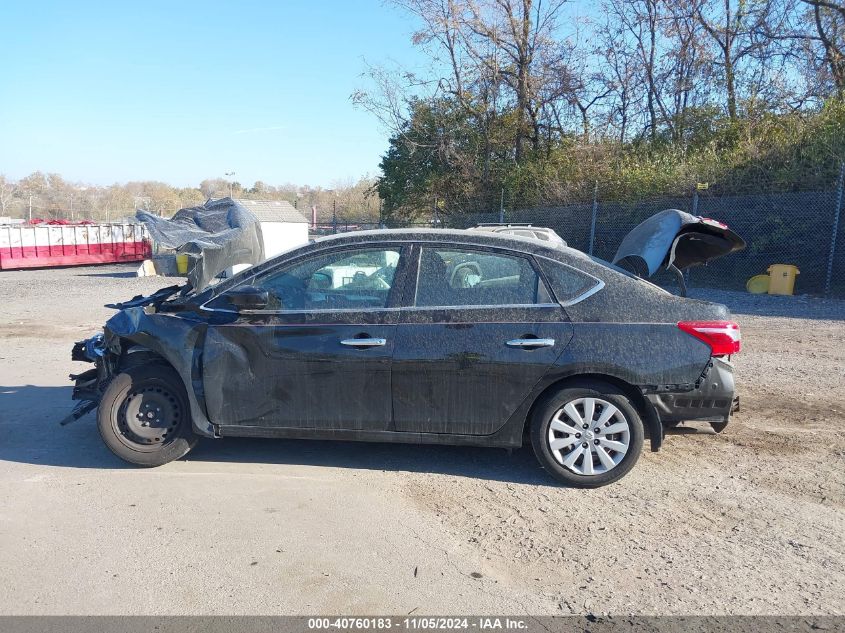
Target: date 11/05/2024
421, 623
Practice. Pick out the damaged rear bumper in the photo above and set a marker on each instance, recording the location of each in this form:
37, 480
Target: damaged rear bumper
712, 399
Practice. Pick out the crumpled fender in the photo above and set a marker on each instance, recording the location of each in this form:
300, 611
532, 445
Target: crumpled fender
179, 340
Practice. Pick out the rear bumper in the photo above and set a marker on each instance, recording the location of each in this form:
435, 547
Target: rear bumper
712, 400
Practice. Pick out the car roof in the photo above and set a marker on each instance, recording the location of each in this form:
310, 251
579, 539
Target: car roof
531, 246
460, 236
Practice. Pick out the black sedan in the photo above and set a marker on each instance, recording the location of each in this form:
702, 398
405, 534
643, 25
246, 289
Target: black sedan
422, 336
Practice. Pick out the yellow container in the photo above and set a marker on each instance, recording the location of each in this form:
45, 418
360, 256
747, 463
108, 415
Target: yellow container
782, 279
182, 264
758, 284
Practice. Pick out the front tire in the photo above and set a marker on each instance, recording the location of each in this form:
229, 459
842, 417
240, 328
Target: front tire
587, 436
144, 416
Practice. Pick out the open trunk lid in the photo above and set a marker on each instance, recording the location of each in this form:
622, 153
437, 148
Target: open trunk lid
675, 239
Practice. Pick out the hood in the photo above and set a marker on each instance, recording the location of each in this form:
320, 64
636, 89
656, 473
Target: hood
675, 238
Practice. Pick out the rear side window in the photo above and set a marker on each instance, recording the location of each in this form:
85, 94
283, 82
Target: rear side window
457, 277
567, 283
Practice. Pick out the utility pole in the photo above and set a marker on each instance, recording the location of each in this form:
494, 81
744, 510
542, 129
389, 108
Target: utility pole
840, 189
30, 208
334, 215
595, 213
229, 174
502, 207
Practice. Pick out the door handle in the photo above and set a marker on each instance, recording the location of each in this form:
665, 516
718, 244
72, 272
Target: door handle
531, 342
364, 342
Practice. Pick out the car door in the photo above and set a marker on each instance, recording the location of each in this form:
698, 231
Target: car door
479, 331
318, 355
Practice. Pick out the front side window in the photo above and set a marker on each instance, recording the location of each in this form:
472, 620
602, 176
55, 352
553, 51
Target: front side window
453, 277
352, 279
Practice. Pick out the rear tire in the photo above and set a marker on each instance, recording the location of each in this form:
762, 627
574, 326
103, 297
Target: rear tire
589, 457
144, 416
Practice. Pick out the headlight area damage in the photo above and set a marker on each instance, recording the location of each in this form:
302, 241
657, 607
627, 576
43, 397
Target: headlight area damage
215, 236
144, 330
87, 389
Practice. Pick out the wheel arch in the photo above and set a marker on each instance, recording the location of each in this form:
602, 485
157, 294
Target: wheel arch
139, 348
651, 422
167, 437
133, 354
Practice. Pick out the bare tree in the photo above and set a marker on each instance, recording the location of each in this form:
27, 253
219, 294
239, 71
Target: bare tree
584, 83
738, 29
639, 23
8, 189
829, 20
686, 76
516, 40
622, 77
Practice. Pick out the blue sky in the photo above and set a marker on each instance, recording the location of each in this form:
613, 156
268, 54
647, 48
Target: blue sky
182, 91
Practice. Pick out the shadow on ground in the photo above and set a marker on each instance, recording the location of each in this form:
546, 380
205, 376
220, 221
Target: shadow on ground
118, 275
30, 432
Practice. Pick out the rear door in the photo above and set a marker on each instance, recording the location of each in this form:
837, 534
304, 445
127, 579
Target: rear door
480, 329
319, 355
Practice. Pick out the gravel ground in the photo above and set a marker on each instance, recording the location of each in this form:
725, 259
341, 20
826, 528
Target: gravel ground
750, 521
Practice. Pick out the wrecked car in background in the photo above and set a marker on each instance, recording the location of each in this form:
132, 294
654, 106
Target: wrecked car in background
522, 230
421, 336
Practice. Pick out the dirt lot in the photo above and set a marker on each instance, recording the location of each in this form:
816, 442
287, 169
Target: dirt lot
751, 521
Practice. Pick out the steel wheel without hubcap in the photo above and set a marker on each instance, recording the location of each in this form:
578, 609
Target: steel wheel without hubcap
589, 436
148, 416
144, 416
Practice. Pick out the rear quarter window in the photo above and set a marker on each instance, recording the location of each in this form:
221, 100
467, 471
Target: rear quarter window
567, 283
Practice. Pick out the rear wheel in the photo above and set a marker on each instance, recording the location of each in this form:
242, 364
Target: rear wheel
144, 416
587, 436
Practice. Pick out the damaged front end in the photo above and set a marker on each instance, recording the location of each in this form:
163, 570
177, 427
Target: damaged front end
106, 351
89, 385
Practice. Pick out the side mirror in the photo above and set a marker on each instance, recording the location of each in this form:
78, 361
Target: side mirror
248, 298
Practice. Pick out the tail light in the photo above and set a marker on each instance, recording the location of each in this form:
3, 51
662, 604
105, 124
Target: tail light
722, 336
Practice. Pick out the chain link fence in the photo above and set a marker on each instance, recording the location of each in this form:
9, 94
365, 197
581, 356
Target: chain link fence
785, 228
804, 229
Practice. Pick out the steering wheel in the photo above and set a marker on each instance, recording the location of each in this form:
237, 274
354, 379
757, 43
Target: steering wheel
465, 275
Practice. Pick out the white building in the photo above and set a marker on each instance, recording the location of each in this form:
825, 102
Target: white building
282, 226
